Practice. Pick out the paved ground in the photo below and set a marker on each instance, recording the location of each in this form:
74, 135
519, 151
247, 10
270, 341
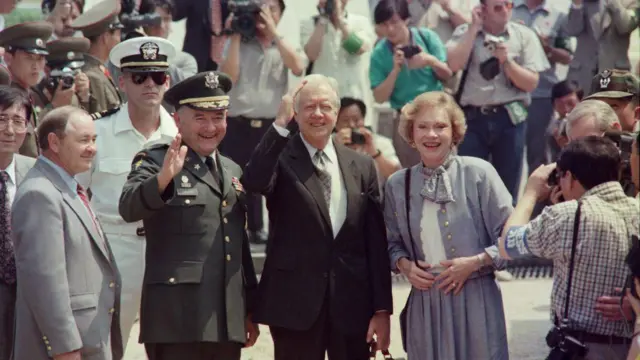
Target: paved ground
527, 311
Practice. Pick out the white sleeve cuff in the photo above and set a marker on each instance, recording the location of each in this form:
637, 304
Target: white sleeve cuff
282, 131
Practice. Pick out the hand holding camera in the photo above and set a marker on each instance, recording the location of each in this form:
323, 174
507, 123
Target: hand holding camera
359, 139
82, 84
266, 23
62, 95
538, 181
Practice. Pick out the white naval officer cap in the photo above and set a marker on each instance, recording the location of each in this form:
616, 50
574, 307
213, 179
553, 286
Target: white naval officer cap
143, 54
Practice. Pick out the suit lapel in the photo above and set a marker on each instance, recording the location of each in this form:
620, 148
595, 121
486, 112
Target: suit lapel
194, 165
76, 204
225, 177
347, 169
303, 167
21, 169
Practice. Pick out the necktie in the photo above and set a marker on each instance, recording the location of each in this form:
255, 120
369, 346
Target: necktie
324, 176
85, 200
217, 42
212, 168
7, 255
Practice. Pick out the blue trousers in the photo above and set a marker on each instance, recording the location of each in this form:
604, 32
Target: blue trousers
492, 136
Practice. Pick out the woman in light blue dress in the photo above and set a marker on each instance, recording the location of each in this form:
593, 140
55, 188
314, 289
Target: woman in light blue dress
458, 206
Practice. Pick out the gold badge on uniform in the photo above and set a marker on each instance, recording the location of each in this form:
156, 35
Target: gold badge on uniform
137, 164
185, 182
606, 79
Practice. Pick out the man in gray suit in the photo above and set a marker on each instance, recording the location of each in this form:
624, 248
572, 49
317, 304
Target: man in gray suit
15, 108
67, 305
603, 27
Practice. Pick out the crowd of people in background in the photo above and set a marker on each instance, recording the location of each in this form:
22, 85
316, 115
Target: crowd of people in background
136, 177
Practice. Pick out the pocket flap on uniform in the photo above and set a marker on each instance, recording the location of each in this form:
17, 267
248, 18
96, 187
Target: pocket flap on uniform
84, 301
172, 273
114, 166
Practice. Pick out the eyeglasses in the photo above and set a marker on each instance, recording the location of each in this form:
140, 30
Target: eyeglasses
19, 124
158, 77
508, 5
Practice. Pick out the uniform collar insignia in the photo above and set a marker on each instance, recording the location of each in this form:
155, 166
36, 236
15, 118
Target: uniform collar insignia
211, 80
149, 50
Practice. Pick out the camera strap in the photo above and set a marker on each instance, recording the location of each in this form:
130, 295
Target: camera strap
407, 201
574, 244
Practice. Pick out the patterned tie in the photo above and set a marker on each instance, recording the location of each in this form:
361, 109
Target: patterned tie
82, 193
324, 176
7, 256
217, 42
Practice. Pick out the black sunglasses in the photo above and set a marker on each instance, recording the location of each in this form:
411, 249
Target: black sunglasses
158, 77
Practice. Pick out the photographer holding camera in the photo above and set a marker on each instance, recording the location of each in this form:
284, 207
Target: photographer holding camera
257, 60
587, 236
351, 132
500, 60
64, 83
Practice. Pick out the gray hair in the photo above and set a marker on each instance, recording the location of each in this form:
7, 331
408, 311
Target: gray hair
599, 111
317, 80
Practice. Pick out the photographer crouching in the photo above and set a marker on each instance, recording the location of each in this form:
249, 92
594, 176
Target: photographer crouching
587, 236
257, 59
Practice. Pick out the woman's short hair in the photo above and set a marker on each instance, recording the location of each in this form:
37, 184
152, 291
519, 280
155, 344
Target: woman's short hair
434, 101
385, 9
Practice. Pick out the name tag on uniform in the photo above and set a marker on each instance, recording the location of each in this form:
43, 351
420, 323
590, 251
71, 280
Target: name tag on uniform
187, 192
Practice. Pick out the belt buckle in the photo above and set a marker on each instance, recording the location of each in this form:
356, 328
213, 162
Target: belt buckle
255, 123
486, 109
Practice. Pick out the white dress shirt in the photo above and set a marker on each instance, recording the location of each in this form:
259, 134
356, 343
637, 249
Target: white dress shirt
12, 183
117, 143
338, 203
432, 245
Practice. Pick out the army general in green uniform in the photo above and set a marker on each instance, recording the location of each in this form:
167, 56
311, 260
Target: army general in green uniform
199, 276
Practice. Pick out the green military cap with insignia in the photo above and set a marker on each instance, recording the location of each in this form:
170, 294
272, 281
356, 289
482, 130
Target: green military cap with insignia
5, 75
614, 84
65, 51
30, 36
143, 54
99, 19
204, 91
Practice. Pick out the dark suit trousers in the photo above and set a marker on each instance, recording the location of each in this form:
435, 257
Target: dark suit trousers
322, 337
243, 136
194, 351
7, 319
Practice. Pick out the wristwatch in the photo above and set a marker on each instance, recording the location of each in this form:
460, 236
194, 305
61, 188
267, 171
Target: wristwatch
377, 154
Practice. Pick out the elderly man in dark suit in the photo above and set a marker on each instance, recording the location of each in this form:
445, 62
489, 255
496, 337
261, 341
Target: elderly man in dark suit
326, 284
15, 109
67, 302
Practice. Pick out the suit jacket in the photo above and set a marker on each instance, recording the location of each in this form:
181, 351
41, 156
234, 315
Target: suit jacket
103, 89
606, 30
197, 38
68, 287
305, 265
199, 276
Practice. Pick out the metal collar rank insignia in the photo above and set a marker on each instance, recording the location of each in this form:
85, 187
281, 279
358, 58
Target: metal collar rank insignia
211, 80
605, 79
149, 51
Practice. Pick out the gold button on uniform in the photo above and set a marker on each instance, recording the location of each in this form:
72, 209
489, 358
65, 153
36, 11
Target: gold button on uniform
112, 310
172, 280
224, 203
49, 348
46, 342
228, 257
44, 338
453, 250
187, 201
449, 237
112, 284
225, 220
446, 224
444, 211
226, 238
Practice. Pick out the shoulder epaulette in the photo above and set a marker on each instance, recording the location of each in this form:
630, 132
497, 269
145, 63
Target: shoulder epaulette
101, 114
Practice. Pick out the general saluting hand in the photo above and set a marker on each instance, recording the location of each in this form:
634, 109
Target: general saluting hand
173, 162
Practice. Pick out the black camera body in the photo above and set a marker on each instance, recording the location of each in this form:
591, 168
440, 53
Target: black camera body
65, 75
357, 138
329, 8
563, 346
131, 19
624, 142
245, 16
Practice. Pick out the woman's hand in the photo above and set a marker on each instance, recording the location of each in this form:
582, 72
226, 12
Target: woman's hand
457, 272
418, 276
